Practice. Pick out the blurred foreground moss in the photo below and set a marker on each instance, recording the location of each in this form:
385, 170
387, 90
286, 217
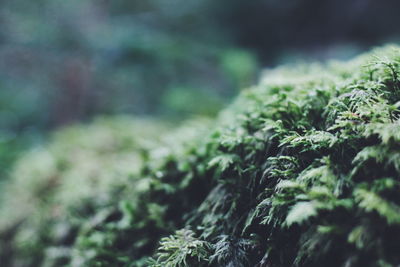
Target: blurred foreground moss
302, 170
62, 188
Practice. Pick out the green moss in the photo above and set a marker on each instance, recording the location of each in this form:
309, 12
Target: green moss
302, 170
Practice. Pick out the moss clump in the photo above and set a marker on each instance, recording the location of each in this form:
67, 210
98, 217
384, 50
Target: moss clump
302, 170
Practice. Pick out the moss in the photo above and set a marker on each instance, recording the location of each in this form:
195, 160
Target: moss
302, 170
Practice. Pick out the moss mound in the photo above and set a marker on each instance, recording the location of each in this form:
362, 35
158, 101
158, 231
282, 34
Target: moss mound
302, 170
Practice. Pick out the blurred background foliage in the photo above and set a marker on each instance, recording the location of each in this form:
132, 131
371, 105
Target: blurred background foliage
67, 61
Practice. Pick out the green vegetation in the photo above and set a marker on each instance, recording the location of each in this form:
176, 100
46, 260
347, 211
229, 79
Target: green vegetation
302, 170
113, 57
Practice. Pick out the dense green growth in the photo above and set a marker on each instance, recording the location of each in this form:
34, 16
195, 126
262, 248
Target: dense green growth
302, 170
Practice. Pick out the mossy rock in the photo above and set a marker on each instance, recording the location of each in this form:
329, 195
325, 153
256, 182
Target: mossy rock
302, 170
